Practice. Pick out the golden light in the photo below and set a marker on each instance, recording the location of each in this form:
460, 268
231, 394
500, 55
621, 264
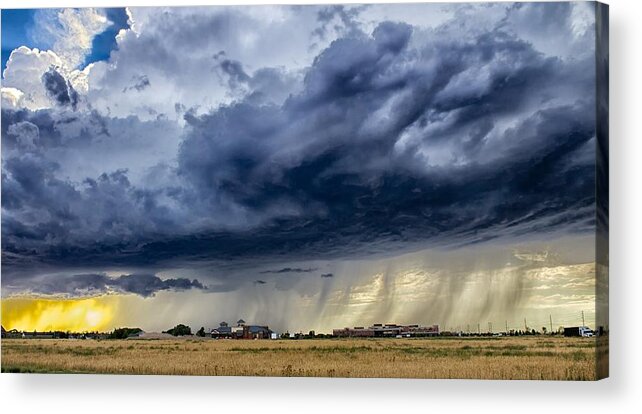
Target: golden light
75, 315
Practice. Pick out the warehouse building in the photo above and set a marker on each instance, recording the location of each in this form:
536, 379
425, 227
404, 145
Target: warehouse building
388, 330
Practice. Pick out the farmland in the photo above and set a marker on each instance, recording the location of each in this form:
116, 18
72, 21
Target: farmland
539, 357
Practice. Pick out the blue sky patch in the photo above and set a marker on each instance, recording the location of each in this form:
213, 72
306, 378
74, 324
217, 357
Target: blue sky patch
15, 28
18, 26
105, 42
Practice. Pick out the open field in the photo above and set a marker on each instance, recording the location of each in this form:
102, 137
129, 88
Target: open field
549, 358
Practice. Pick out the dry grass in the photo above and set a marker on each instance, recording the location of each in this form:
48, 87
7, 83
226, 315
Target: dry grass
493, 358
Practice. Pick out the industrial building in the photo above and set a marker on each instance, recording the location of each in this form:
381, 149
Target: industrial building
388, 330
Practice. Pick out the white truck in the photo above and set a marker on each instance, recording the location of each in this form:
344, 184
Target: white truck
586, 332
583, 331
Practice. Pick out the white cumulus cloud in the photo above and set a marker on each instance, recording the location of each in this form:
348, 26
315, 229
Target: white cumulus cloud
69, 31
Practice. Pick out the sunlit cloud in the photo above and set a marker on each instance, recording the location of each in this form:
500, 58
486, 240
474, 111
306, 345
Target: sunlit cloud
76, 315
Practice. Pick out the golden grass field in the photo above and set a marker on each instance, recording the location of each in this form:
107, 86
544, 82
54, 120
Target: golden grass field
546, 358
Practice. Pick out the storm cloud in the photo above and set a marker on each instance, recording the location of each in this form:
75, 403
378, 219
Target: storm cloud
59, 88
139, 83
388, 138
142, 284
290, 270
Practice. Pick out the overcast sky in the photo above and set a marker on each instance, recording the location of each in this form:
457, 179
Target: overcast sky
300, 165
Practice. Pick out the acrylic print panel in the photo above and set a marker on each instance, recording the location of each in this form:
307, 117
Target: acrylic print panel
391, 190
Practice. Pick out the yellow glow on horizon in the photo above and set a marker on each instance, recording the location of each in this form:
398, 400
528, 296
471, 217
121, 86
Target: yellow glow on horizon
75, 315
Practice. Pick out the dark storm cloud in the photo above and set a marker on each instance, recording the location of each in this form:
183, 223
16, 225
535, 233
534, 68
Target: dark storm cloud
42, 134
147, 285
139, 83
360, 186
231, 70
142, 284
99, 217
43, 121
291, 270
395, 138
59, 88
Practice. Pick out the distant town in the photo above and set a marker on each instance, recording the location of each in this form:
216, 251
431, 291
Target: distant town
242, 330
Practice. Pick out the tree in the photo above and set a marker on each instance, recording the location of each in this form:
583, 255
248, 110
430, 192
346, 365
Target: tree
122, 333
201, 332
179, 330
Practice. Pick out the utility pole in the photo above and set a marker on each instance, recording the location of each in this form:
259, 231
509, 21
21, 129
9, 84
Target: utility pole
478, 328
506, 325
525, 326
490, 327
468, 328
550, 318
583, 324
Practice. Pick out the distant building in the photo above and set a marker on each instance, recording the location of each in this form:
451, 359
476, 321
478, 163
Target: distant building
241, 331
223, 331
256, 332
388, 330
12, 333
357, 331
38, 335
